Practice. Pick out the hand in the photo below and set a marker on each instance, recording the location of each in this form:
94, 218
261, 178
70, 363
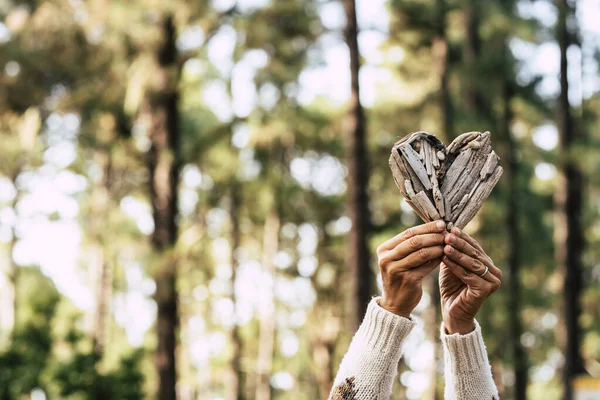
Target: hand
404, 261
463, 289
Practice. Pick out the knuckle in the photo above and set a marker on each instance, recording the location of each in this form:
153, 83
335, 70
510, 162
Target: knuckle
380, 249
476, 254
384, 261
458, 256
499, 274
423, 254
415, 242
394, 273
477, 265
410, 232
412, 279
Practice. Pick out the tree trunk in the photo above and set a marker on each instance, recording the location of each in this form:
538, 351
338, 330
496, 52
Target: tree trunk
358, 177
266, 315
103, 270
519, 358
322, 351
235, 389
440, 54
569, 235
471, 55
164, 166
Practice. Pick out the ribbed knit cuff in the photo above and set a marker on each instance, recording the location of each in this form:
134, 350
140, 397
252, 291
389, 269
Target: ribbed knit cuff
382, 329
466, 352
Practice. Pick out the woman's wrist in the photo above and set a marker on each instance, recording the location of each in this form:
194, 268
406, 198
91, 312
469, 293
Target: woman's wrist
394, 309
461, 327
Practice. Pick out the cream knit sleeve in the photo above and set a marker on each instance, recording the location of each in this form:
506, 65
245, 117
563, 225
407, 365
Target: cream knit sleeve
467, 371
368, 369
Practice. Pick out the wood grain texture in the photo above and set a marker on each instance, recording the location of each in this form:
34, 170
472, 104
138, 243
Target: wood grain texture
445, 182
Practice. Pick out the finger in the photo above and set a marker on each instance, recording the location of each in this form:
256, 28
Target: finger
420, 257
463, 235
428, 268
473, 252
479, 286
415, 243
464, 260
430, 227
489, 286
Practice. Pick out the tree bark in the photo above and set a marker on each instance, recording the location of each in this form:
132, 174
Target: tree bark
440, 54
164, 166
569, 237
235, 389
519, 358
471, 51
103, 268
266, 338
358, 179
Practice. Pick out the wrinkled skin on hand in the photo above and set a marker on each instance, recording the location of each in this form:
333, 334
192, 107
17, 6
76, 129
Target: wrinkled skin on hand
404, 261
464, 282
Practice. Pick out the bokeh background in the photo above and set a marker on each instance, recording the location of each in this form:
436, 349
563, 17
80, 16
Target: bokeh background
192, 192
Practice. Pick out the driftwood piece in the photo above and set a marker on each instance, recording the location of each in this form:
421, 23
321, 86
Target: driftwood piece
476, 201
455, 170
425, 204
445, 182
411, 156
470, 174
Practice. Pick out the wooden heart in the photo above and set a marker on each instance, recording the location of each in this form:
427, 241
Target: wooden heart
449, 183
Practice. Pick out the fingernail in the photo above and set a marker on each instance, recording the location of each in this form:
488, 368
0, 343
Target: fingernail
451, 239
449, 249
456, 231
440, 224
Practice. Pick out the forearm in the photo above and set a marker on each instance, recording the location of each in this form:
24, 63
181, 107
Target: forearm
368, 369
467, 370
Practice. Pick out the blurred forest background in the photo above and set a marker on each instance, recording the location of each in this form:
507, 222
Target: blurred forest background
191, 192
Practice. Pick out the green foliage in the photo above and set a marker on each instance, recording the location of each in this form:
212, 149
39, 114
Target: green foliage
79, 378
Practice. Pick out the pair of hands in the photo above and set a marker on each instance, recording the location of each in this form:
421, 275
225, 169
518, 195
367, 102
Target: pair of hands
413, 254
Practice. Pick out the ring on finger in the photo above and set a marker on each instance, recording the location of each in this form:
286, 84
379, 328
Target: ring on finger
485, 272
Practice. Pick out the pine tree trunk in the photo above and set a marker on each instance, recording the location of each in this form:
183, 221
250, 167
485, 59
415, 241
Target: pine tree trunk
440, 54
569, 237
164, 166
358, 177
103, 271
519, 358
322, 354
235, 389
266, 338
471, 55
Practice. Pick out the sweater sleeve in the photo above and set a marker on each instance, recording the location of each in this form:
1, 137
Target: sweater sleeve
467, 371
368, 369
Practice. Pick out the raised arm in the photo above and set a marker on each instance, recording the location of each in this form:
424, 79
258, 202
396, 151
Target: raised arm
368, 369
467, 278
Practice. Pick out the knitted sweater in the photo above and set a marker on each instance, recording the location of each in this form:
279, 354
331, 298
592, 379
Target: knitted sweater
369, 367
